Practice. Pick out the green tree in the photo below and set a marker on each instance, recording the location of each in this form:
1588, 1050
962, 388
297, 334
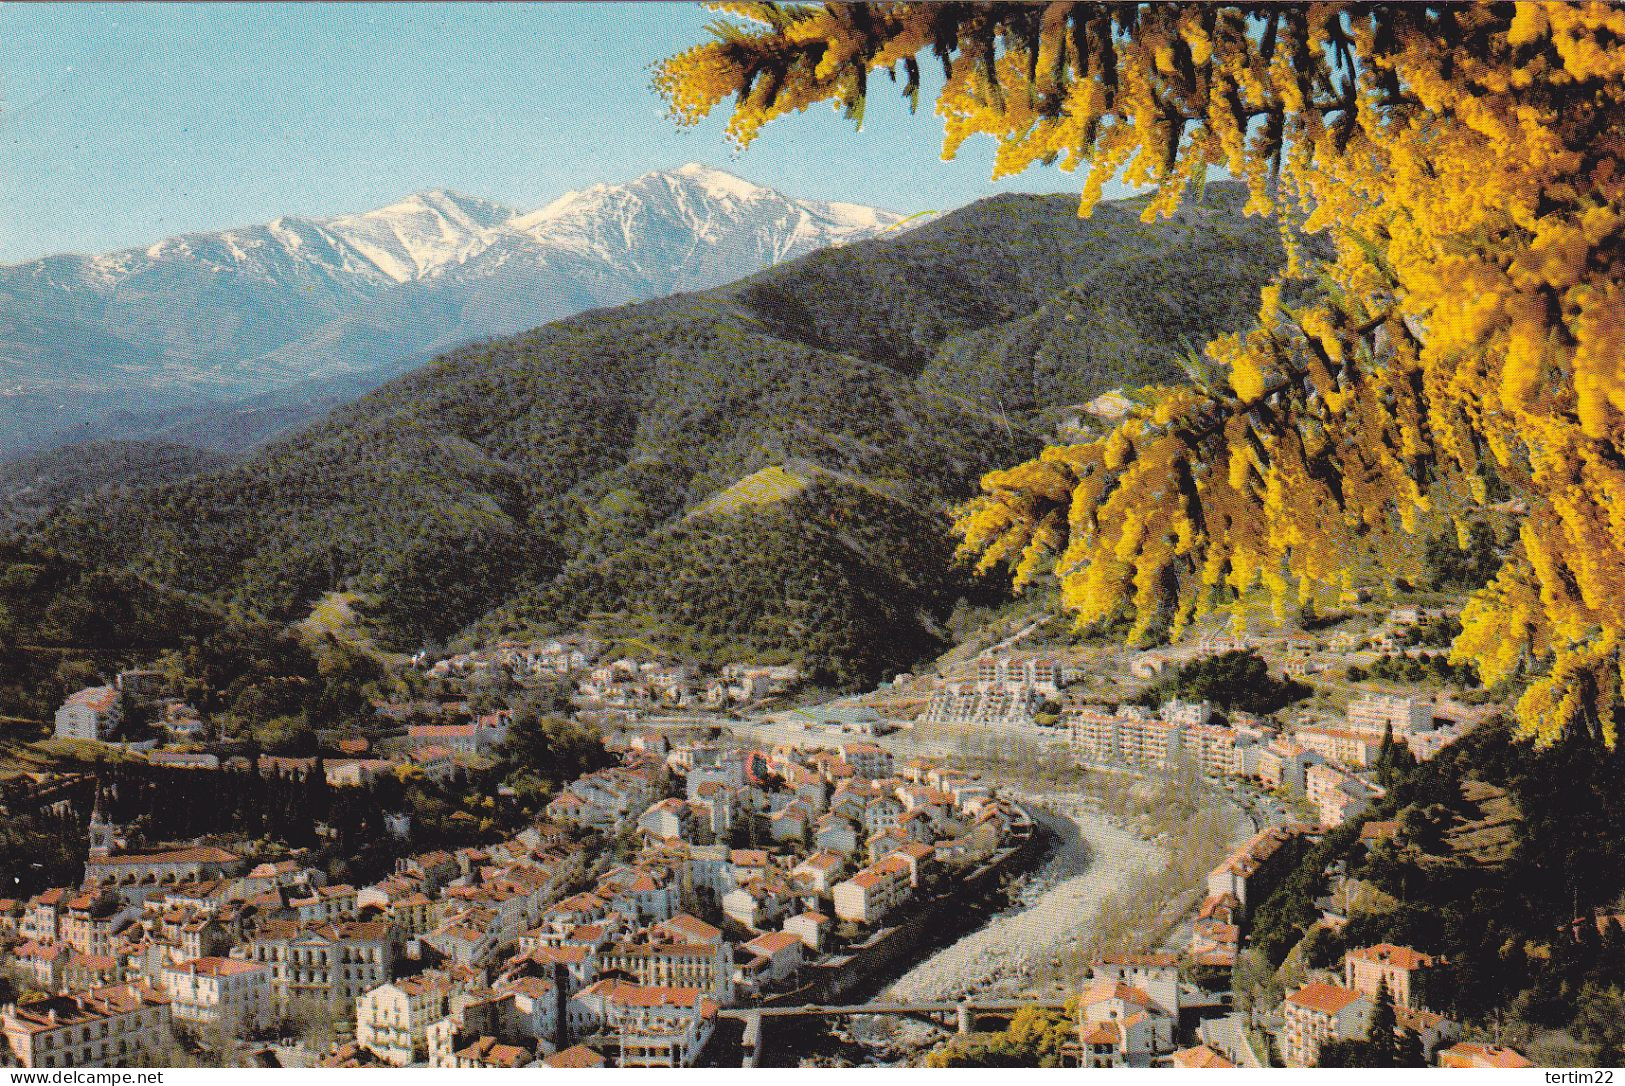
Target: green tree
1394, 759
1410, 1052
1232, 680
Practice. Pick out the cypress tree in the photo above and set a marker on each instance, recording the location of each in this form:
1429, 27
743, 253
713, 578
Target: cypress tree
1409, 1052
1383, 1041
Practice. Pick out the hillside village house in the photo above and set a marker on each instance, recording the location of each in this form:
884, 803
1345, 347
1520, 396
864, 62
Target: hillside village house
1411, 976
875, 891
757, 902
771, 958
1121, 1026
95, 714
1155, 975
812, 928
818, 873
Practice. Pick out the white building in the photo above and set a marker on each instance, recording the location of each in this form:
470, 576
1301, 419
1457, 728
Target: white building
1320, 1012
655, 1026
392, 1020
235, 995
870, 894
94, 713
1377, 713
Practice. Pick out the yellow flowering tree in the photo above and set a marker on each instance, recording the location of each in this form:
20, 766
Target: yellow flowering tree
1448, 177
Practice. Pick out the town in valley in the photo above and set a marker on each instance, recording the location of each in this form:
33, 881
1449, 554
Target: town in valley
838, 536
744, 874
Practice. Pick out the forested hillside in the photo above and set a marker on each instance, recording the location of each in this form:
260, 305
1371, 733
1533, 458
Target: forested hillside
64, 625
34, 484
552, 479
1507, 860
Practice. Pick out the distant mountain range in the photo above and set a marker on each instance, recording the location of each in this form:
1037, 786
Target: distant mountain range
756, 471
222, 338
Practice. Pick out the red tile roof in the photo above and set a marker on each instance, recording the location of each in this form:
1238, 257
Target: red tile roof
1323, 998
1200, 1056
575, 1056
1398, 957
1468, 1054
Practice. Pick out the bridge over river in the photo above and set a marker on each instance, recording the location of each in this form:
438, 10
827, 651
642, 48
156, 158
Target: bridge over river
962, 1016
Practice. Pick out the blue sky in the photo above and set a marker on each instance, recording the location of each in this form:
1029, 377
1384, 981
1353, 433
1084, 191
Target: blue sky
120, 125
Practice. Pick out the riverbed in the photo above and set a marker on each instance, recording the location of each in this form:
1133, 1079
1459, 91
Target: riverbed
1094, 859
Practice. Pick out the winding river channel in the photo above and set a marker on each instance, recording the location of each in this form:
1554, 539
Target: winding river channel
1093, 860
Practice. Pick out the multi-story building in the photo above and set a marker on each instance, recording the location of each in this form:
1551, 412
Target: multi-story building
328, 963
1346, 747
674, 965
1411, 976
1154, 975
1253, 867
324, 903
873, 892
1377, 713
1320, 1012
1121, 1026
1283, 763
1151, 743
222, 992
774, 958
90, 921
810, 928
654, 1026
818, 873
104, 1027
1092, 731
95, 713
1132, 735
757, 901
1006, 691
867, 760
42, 915
392, 1020
668, 820
1187, 714
1211, 748
1336, 794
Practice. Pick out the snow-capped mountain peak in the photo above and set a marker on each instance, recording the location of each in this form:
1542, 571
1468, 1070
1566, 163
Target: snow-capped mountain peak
424, 232
665, 212
238, 311
718, 184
